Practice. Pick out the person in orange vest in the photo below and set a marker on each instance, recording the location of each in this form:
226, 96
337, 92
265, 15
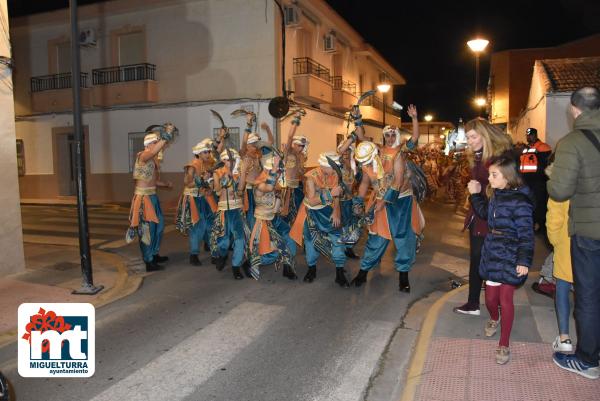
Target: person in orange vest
534, 160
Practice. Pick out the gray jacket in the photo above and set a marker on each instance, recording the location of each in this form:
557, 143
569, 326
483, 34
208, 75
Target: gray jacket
576, 176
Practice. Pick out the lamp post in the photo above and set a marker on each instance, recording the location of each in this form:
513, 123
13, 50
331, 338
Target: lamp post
477, 46
383, 87
428, 118
480, 102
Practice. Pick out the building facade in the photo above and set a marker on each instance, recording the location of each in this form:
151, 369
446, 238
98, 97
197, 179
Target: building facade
11, 237
552, 84
511, 72
149, 61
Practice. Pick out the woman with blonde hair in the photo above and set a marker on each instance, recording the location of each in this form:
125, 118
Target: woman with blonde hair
484, 141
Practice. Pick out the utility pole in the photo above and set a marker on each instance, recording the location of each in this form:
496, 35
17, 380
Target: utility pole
87, 283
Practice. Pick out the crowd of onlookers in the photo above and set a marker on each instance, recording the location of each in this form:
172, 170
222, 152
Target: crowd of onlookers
509, 191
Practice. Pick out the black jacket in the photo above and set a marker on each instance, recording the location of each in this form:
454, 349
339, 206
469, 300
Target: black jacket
510, 241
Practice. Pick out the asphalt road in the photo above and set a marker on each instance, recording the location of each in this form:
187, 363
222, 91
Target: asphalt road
194, 333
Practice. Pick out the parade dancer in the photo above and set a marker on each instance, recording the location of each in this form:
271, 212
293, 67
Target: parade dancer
347, 200
229, 225
250, 166
295, 152
145, 216
318, 223
270, 241
392, 204
197, 204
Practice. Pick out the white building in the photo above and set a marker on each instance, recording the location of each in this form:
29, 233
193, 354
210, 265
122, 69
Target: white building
552, 84
149, 61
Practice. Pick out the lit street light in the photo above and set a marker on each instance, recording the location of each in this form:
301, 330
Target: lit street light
477, 46
383, 87
480, 101
428, 118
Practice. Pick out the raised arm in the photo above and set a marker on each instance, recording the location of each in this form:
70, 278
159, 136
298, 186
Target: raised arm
270, 138
250, 117
414, 139
359, 130
292, 132
346, 144
148, 154
221, 141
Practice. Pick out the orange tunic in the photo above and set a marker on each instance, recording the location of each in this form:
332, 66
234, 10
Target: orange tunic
321, 181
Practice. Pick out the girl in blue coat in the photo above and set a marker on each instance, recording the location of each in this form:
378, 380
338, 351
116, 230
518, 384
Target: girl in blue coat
508, 247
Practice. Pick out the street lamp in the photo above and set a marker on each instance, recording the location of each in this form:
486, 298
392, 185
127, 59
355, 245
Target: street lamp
480, 101
428, 118
477, 46
383, 87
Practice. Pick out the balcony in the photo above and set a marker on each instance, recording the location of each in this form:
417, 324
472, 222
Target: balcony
372, 111
53, 93
312, 81
125, 84
344, 94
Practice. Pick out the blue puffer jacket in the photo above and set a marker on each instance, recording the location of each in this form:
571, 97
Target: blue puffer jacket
510, 240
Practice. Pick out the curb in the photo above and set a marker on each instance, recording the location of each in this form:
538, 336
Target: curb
415, 370
124, 285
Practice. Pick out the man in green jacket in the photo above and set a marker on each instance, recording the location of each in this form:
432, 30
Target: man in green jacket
575, 176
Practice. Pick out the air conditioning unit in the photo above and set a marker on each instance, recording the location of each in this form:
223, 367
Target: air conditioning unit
329, 43
87, 37
292, 15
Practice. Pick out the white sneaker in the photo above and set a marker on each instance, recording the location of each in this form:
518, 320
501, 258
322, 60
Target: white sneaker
562, 346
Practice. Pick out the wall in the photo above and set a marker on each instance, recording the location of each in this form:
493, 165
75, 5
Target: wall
559, 120
535, 116
109, 144
198, 52
500, 72
11, 240
519, 70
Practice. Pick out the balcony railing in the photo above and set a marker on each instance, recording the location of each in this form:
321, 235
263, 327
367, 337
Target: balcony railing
124, 73
341, 84
306, 65
57, 81
374, 102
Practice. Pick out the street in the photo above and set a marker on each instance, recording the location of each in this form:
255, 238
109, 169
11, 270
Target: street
194, 333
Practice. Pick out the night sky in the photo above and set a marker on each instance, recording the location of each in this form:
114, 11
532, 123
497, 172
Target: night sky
426, 40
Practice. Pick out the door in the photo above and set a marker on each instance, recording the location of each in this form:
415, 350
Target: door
66, 164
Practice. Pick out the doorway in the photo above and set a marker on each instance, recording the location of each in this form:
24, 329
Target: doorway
66, 156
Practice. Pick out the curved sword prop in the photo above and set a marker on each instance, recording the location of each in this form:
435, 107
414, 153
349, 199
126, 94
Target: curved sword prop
294, 111
242, 112
214, 113
338, 171
362, 97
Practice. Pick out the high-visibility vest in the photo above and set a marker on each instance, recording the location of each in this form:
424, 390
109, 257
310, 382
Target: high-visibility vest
529, 159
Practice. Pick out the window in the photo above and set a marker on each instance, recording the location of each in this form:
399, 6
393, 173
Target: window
234, 137
132, 48
63, 57
136, 145
20, 157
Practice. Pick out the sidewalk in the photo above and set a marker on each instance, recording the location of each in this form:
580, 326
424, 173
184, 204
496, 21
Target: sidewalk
453, 360
52, 273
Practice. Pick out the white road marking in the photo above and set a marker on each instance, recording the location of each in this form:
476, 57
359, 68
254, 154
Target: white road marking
179, 372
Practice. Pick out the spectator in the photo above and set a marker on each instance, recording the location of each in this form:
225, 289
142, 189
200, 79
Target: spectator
575, 177
558, 234
484, 141
508, 248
